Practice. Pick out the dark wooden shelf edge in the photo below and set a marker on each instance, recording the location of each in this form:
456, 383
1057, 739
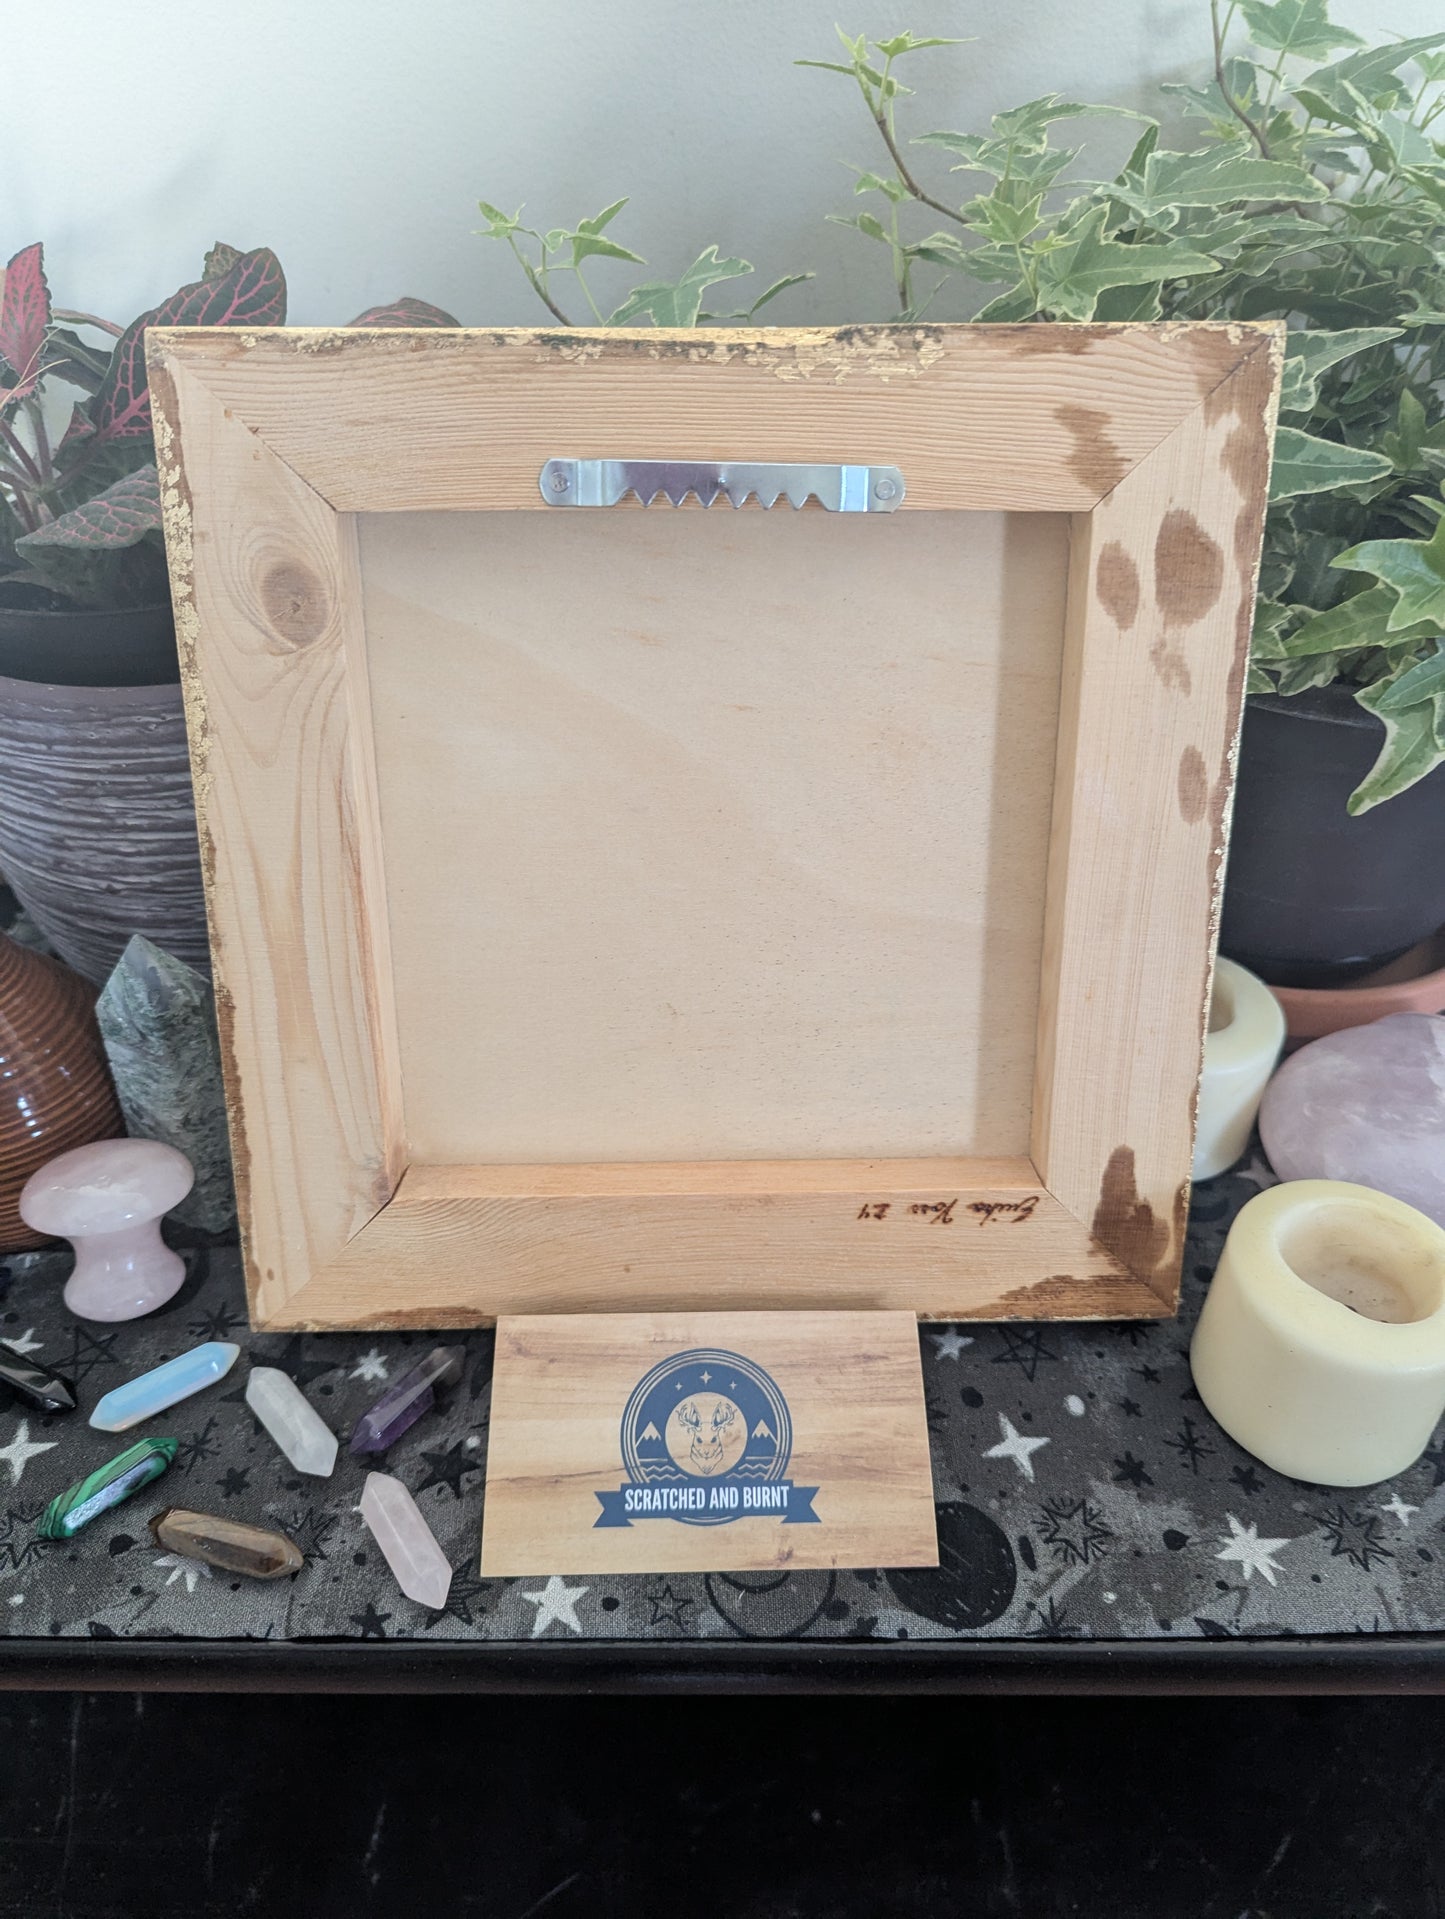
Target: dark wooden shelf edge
1377, 1663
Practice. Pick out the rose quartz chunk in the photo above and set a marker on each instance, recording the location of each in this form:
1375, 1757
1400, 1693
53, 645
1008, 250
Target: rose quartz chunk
1366, 1105
107, 1199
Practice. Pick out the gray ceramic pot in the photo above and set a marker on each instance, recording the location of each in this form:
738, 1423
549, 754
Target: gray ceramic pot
97, 822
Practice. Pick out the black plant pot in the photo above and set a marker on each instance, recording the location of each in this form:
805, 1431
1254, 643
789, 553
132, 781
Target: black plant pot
97, 821
1313, 897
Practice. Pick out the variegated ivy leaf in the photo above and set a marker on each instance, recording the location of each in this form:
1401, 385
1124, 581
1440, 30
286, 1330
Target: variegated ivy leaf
1307, 354
676, 303
1081, 264
1300, 27
1420, 682
1360, 621
1414, 745
1414, 570
1304, 463
1215, 177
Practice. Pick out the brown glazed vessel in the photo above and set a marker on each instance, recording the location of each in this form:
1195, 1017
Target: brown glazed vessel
55, 1087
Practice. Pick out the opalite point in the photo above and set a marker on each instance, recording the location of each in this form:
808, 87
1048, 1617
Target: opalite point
164, 1386
253, 1551
404, 1403
108, 1199
292, 1421
421, 1568
1366, 1106
107, 1486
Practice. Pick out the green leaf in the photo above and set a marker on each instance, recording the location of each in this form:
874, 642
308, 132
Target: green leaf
677, 303
499, 224
1414, 746
585, 245
1267, 642
1308, 352
828, 66
1405, 445
1017, 304
1419, 682
1075, 270
893, 188
1305, 464
1415, 569
902, 43
600, 220
1366, 70
1007, 224
1301, 27
741, 315
866, 223
1357, 622
778, 286
1027, 126
1221, 176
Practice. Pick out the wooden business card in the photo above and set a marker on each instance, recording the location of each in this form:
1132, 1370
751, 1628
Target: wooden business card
707, 1442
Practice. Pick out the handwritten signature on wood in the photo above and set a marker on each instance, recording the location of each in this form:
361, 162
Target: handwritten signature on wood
941, 1212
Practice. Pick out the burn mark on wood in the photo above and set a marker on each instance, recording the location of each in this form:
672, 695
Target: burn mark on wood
295, 603
1095, 459
1193, 786
1116, 581
1126, 1225
1188, 569
1171, 666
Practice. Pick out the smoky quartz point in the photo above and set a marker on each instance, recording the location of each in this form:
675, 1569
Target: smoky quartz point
227, 1544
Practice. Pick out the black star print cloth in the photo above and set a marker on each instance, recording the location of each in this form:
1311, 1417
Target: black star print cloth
1083, 1492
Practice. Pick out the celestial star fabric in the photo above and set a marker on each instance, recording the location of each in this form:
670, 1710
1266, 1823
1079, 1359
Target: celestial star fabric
1083, 1492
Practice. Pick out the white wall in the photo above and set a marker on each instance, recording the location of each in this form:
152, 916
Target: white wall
355, 136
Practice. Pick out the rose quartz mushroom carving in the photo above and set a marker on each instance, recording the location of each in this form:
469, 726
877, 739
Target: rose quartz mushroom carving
107, 1199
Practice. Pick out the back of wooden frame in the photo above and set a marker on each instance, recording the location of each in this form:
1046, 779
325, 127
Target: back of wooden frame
1154, 439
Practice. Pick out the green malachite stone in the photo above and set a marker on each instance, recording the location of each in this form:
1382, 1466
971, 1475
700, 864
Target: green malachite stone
107, 1486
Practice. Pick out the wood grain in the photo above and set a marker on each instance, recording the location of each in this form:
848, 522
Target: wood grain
268, 618
949, 1239
1156, 438
989, 419
1156, 648
853, 1387
724, 848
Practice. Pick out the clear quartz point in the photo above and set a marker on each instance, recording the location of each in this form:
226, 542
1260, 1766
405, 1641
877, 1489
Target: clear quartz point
421, 1567
292, 1421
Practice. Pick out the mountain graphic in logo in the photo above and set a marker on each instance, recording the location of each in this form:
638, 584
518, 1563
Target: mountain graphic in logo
706, 1438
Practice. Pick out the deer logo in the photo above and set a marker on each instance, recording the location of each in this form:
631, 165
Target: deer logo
708, 1438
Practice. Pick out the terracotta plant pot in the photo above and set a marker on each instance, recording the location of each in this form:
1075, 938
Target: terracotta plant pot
55, 1087
1414, 983
97, 821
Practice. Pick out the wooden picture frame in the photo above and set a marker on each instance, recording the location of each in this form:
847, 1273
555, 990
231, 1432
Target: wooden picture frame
274, 445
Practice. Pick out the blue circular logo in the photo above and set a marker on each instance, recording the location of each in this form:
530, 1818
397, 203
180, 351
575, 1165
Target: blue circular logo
712, 1427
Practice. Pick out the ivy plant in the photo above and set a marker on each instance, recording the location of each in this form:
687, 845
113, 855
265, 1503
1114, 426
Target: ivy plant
80, 510
1313, 192
1310, 188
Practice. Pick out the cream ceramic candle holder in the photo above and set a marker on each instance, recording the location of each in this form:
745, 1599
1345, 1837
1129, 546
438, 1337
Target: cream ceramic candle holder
1321, 1347
1241, 1050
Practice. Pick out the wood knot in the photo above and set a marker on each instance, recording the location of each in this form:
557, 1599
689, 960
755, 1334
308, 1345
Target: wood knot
295, 603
